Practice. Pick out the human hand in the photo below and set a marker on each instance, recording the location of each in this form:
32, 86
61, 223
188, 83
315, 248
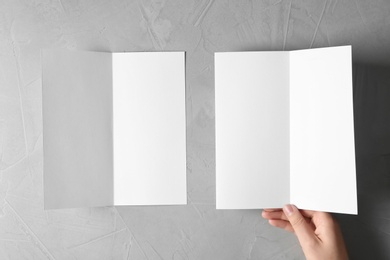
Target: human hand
318, 233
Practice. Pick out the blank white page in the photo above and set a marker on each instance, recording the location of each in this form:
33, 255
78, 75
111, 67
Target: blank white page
322, 153
252, 129
149, 128
77, 129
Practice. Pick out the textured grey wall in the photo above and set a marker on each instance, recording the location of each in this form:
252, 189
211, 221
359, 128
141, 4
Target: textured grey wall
199, 27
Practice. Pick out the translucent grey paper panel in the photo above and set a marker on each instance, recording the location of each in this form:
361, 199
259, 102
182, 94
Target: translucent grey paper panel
77, 129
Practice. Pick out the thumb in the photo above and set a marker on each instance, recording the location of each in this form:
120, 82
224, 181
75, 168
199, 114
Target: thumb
301, 228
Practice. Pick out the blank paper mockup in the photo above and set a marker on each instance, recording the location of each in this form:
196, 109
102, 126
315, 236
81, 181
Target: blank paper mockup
284, 130
114, 128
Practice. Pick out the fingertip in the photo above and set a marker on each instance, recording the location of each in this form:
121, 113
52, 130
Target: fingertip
289, 209
275, 223
271, 222
266, 214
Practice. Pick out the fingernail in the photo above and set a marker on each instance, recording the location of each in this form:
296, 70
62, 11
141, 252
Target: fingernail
288, 209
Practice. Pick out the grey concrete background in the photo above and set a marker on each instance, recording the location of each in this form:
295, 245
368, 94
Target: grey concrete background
199, 27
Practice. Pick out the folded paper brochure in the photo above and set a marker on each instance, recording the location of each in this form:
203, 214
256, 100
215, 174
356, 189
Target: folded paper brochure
113, 128
284, 130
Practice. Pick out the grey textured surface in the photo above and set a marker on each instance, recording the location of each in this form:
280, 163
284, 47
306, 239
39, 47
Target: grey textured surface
195, 231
